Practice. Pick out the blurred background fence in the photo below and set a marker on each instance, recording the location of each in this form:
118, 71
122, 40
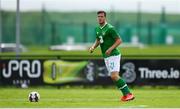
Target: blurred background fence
51, 28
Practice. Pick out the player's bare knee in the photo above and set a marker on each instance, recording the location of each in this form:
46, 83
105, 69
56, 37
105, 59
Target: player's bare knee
115, 76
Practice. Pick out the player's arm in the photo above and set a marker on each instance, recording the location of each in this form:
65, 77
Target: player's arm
118, 41
94, 46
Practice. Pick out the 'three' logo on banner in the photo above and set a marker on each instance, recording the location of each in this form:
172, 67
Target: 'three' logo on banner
147, 73
129, 75
22, 67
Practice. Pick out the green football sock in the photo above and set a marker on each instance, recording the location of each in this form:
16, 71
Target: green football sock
121, 84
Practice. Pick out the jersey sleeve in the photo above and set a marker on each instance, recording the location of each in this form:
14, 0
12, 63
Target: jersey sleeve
114, 33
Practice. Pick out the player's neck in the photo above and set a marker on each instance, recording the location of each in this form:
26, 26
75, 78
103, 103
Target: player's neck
103, 25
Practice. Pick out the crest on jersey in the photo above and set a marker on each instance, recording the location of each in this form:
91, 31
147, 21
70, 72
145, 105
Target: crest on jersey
103, 33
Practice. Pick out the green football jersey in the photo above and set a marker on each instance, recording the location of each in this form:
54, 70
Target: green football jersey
107, 35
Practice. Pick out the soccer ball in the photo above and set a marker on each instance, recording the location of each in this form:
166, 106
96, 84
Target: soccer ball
34, 97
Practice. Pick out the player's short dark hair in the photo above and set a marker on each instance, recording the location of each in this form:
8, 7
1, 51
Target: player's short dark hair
99, 12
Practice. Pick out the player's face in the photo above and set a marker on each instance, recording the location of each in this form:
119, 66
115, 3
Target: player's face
101, 18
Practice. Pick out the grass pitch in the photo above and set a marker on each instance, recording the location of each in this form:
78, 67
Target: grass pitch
148, 52
93, 97
89, 97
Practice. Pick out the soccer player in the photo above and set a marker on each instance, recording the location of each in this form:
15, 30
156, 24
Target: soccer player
109, 40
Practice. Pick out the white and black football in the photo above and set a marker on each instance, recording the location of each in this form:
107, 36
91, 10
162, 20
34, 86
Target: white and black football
34, 97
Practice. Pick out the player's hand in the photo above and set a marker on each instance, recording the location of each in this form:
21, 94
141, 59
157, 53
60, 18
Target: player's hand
91, 49
108, 52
